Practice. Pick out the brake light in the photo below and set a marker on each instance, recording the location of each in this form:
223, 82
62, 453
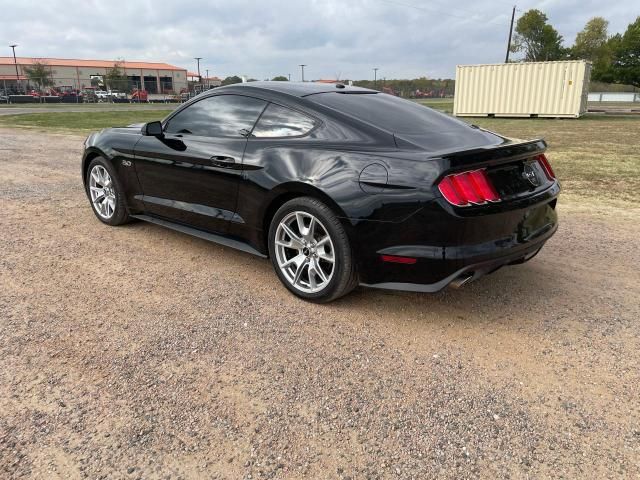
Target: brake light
546, 166
466, 188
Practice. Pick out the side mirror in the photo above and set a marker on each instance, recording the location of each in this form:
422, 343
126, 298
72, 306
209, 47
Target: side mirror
152, 129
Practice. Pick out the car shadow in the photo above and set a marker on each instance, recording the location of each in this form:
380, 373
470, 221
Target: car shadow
501, 291
499, 294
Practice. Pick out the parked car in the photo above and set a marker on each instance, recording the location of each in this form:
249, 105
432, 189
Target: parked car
102, 95
337, 185
89, 94
116, 94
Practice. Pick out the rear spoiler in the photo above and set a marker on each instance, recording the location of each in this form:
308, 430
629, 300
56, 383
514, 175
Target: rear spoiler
511, 150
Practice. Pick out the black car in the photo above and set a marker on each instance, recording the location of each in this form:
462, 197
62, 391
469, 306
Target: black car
338, 185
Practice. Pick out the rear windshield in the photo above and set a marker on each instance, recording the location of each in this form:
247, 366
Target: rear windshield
388, 112
409, 121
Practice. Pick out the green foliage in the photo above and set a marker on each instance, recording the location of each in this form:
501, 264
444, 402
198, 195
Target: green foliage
536, 39
231, 80
591, 40
280, 78
592, 44
39, 73
625, 67
116, 79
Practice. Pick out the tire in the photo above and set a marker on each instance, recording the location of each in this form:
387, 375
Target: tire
310, 251
112, 210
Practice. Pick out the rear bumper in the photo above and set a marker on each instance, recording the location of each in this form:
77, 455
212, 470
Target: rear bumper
450, 246
471, 271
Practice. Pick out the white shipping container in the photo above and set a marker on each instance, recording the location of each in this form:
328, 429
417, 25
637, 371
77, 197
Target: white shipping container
532, 89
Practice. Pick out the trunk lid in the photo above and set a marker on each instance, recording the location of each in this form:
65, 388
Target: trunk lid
515, 169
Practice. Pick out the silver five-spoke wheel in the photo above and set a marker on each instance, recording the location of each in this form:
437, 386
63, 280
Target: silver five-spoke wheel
304, 252
103, 195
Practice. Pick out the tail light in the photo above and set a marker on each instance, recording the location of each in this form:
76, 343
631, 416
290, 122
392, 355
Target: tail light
474, 187
546, 166
467, 188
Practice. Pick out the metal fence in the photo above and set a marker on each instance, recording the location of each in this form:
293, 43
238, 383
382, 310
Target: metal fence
622, 97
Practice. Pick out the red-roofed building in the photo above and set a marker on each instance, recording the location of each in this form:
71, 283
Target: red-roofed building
77, 74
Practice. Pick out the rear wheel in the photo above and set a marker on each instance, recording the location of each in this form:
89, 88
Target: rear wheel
310, 251
105, 193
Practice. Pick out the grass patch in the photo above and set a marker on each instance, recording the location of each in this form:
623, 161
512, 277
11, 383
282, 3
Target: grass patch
441, 104
81, 122
594, 156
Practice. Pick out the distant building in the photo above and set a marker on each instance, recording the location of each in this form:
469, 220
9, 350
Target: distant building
77, 74
212, 81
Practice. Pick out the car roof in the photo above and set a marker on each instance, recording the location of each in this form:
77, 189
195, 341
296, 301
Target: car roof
302, 89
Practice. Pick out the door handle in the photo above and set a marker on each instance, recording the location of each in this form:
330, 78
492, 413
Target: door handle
222, 161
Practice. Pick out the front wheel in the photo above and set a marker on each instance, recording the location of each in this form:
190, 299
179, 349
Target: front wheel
310, 251
105, 193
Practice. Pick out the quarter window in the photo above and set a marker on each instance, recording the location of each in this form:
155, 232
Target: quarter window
277, 121
217, 116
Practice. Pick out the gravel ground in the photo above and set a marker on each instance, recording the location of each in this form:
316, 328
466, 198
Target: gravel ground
138, 352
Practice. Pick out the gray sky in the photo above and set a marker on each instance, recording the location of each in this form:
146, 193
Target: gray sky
264, 38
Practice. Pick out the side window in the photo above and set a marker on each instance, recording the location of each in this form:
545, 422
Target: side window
218, 116
277, 121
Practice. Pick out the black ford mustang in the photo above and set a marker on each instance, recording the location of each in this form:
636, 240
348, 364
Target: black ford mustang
338, 185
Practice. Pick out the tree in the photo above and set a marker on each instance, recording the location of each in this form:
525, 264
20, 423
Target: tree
538, 40
39, 73
231, 80
591, 40
280, 78
625, 66
592, 44
115, 77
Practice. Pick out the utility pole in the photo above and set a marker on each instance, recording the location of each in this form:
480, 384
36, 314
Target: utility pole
375, 77
207, 78
513, 16
289, 76
197, 59
302, 68
15, 62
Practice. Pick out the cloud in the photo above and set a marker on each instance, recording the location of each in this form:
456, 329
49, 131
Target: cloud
404, 38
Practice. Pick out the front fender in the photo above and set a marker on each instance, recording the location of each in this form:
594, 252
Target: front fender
117, 148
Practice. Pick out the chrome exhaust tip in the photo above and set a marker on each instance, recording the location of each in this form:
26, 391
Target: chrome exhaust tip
461, 280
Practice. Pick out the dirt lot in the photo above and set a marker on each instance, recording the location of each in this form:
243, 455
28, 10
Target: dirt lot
138, 352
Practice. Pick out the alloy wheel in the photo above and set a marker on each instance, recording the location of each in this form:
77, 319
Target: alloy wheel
304, 252
103, 194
